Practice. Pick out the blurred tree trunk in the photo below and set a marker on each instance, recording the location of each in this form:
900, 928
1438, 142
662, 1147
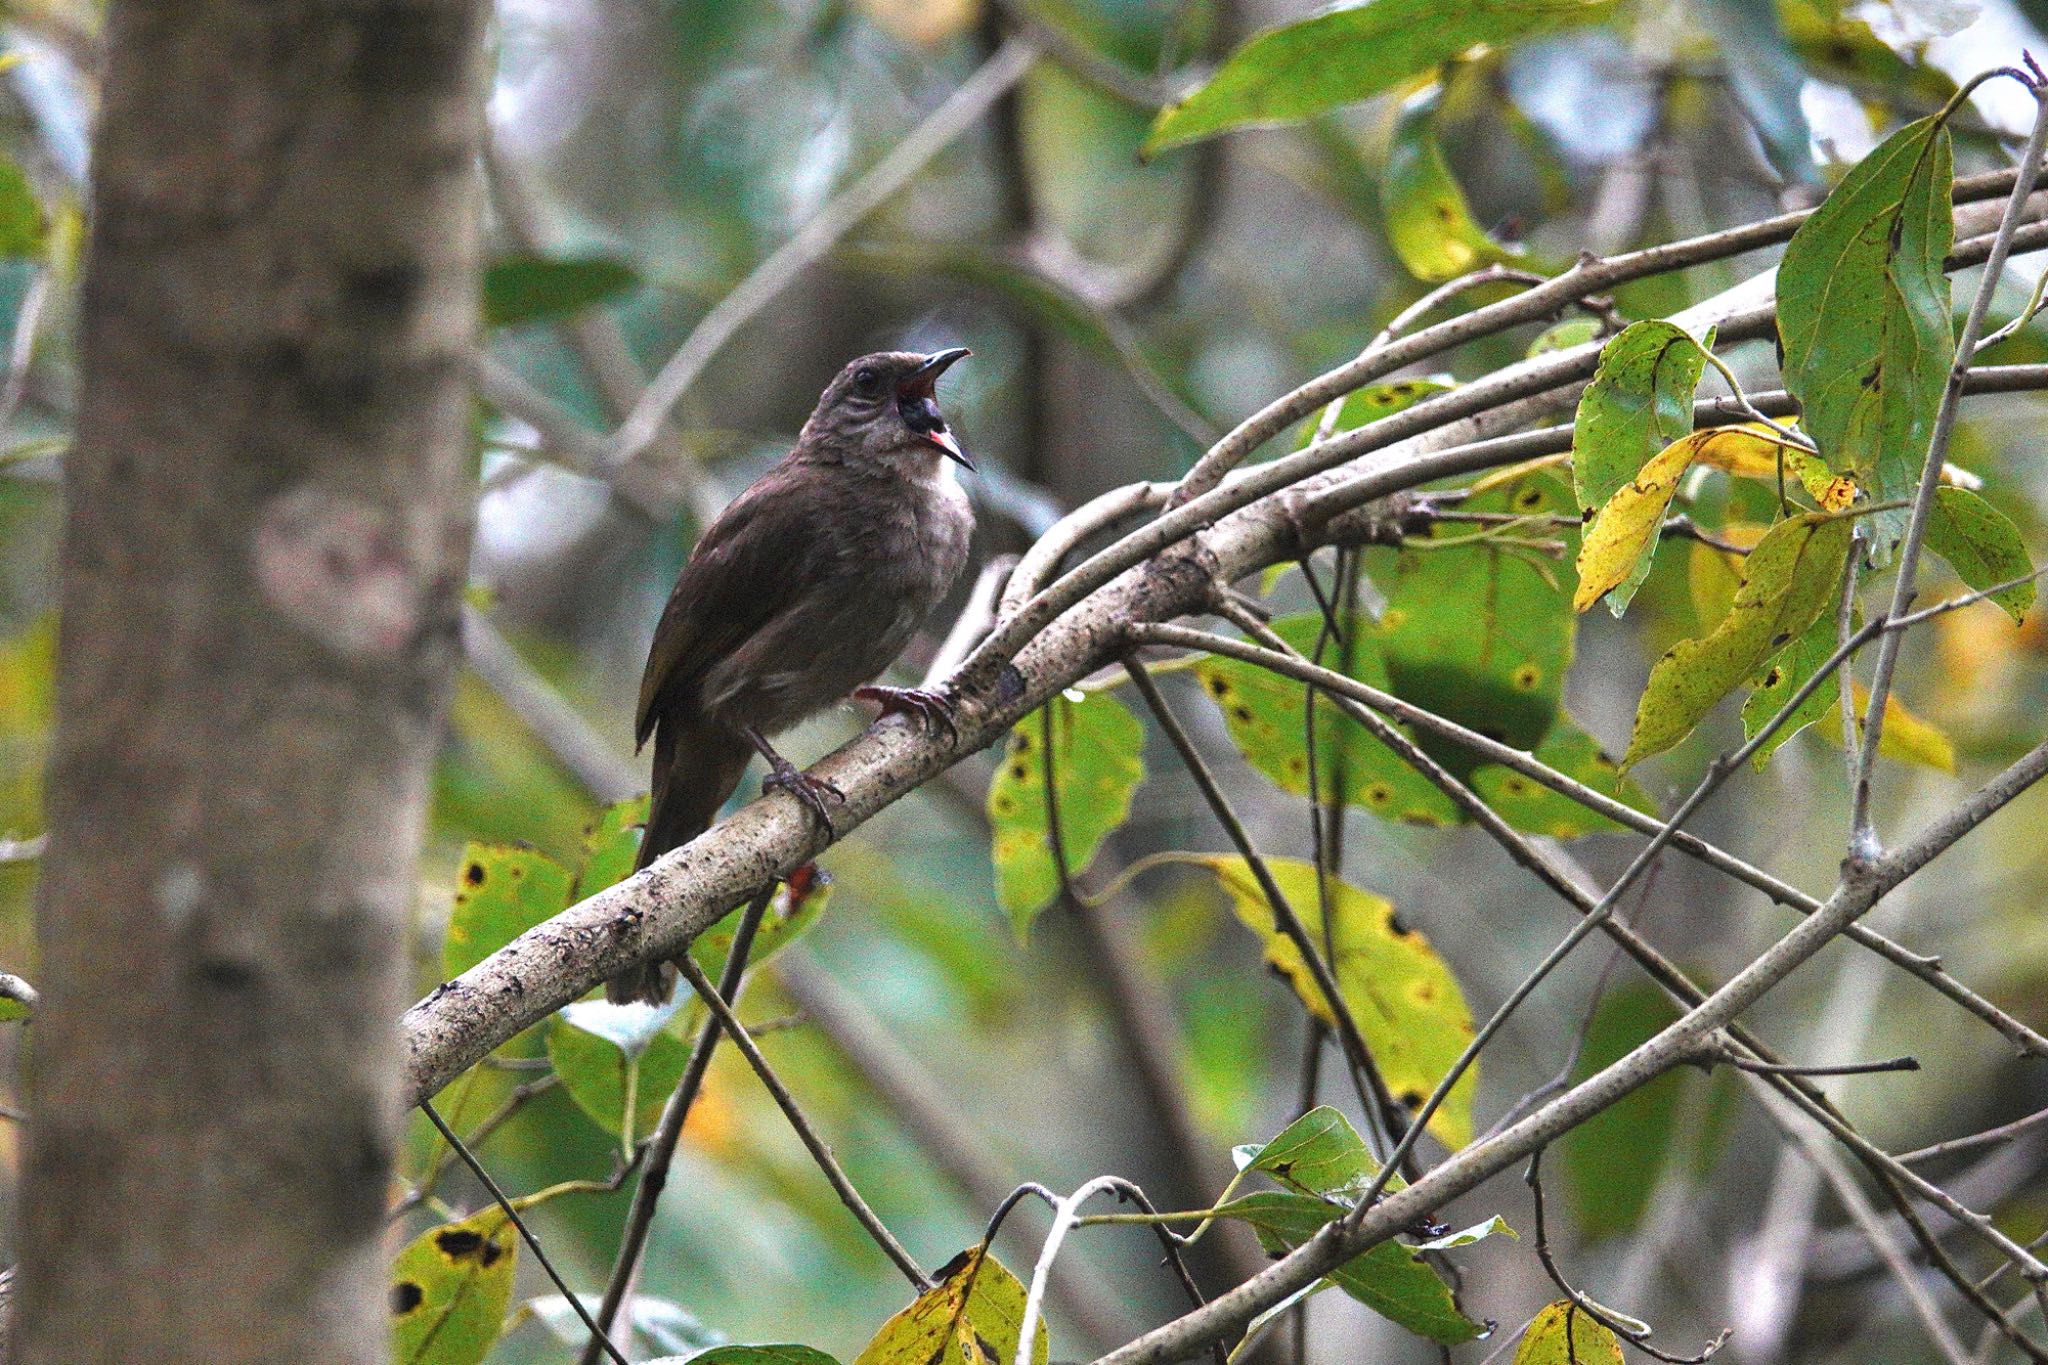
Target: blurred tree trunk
265, 545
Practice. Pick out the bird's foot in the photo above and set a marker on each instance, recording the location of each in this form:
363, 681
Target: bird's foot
812, 791
934, 709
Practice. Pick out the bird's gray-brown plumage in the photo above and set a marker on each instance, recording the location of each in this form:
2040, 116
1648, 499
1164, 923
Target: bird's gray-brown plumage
804, 588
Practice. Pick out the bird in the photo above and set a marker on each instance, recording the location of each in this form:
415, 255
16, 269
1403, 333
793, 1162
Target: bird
798, 594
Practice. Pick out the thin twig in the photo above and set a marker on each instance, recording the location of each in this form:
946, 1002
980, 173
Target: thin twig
533, 1243
661, 1145
787, 262
786, 1102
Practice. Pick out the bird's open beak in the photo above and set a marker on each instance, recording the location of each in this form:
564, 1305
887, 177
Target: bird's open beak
914, 392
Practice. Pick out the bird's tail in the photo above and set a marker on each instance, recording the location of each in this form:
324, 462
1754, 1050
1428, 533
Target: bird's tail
697, 763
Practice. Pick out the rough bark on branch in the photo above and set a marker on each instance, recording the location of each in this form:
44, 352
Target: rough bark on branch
265, 544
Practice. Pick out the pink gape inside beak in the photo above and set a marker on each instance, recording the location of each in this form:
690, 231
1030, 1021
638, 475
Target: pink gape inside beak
920, 408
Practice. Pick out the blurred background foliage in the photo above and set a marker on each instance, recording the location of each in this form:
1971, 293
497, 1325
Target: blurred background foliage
648, 154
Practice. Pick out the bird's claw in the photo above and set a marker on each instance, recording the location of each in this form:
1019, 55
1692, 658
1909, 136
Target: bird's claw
811, 791
934, 710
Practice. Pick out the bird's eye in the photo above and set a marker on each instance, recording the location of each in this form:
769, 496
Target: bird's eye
867, 379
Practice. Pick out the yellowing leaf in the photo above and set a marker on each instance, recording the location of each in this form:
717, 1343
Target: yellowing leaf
1097, 760
1369, 404
1864, 315
1533, 808
1787, 582
450, 1288
1615, 553
1712, 574
1907, 737
610, 847
1404, 999
1429, 223
973, 1315
1618, 544
1565, 1334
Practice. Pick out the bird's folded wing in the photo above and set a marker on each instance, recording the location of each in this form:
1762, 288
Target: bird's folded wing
739, 578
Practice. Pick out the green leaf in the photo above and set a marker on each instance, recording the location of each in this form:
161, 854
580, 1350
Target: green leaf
1098, 761
1391, 1279
796, 906
1788, 581
1406, 1002
1533, 808
750, 1355
1304, 68
1373, 402
611, 846
599, 1074
1319, 1153
12, 1009
1429, 223
24, 228
502, 891
1263, 715
1566, 1334
533, 288
1482, 633
1785, 674
1982, 545
973, 1315
1562, 336
450, 1288
1864, 315
1640, 401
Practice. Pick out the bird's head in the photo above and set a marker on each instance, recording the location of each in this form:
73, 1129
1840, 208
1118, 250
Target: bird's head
882, 406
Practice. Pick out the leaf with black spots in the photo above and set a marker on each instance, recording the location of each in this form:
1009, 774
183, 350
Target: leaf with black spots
973, 1315
1097, 754
1406, 1003
449, 1290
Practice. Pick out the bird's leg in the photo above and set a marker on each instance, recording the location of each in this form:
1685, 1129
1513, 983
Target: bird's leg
782, 773
933, 709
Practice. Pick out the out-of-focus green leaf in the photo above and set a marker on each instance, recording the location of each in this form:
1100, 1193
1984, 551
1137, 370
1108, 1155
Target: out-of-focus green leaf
1788, 582
1392, 1279
750, 1355
1263, 714
973, 1315
1844, 50
12, 1009
24, 228
1404, 999
1640, 401
1482, 633
599, 1074
1345, 54
1565, 1334
1766, 78
1533, 808
1983, 546
1863, 315
611, 846
501, 893
1429, 223
1562, 336
1098, 761
535, 288
796, 906
1374, 401
450, 1288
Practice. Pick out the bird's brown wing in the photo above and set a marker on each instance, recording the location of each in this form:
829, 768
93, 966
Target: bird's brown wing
739, 577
